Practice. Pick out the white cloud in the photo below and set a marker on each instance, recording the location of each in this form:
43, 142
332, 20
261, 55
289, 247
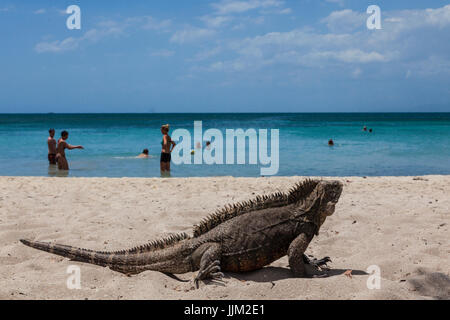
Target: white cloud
227, 66
57, 46
396, 21
6, 9
191, 34
276, 11
356, 73
206, 54
285, 11
155, 24
306, 38
227, 11
437, 17
235, 6
40, 11
351, 56
217, 21
104, 29
345, 21
410, 40
431, 66
408, 74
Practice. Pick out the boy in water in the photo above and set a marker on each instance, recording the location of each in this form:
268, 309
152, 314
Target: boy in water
144, 154
60, 151
51, 142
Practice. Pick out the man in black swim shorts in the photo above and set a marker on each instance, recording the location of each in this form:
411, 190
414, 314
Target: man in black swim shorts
167, 147
166, 157
51, 142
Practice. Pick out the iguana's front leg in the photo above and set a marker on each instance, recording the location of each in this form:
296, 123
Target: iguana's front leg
295, 253
297, 261
208, 257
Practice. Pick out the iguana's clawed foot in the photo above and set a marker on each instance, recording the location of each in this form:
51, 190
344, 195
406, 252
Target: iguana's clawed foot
319, 264
211, 272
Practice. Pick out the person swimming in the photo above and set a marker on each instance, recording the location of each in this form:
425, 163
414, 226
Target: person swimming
331, 142
60, 151
167, 147
144, 154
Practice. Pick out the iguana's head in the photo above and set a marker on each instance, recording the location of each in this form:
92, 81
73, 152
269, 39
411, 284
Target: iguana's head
328, 194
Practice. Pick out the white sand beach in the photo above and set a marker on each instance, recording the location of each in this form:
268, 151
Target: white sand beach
400, 224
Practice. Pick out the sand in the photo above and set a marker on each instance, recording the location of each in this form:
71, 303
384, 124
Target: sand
400, 224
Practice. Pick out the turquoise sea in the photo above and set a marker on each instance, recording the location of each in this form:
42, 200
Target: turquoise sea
400, 144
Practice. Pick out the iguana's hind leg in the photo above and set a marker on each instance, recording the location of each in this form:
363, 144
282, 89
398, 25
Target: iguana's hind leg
298, 259
208, 255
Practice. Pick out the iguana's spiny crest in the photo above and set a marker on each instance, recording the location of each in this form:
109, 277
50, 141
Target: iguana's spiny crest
155, 245
298, 193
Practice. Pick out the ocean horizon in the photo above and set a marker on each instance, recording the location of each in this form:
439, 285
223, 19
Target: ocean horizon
401, 144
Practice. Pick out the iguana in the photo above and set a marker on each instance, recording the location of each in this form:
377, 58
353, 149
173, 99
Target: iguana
238, 238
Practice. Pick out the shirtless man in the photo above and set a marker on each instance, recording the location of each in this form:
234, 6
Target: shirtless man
167, 147
60, 151
51, 142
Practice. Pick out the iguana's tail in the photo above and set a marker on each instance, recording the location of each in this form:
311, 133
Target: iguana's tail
153, 256
103, 259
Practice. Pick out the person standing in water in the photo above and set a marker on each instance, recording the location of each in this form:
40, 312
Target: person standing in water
60, 151
167, 147
51, 142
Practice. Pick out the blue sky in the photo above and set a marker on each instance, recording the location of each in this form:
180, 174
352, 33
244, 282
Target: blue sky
225, 56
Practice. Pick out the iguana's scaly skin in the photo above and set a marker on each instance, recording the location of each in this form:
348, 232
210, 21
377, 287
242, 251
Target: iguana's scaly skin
239, 238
